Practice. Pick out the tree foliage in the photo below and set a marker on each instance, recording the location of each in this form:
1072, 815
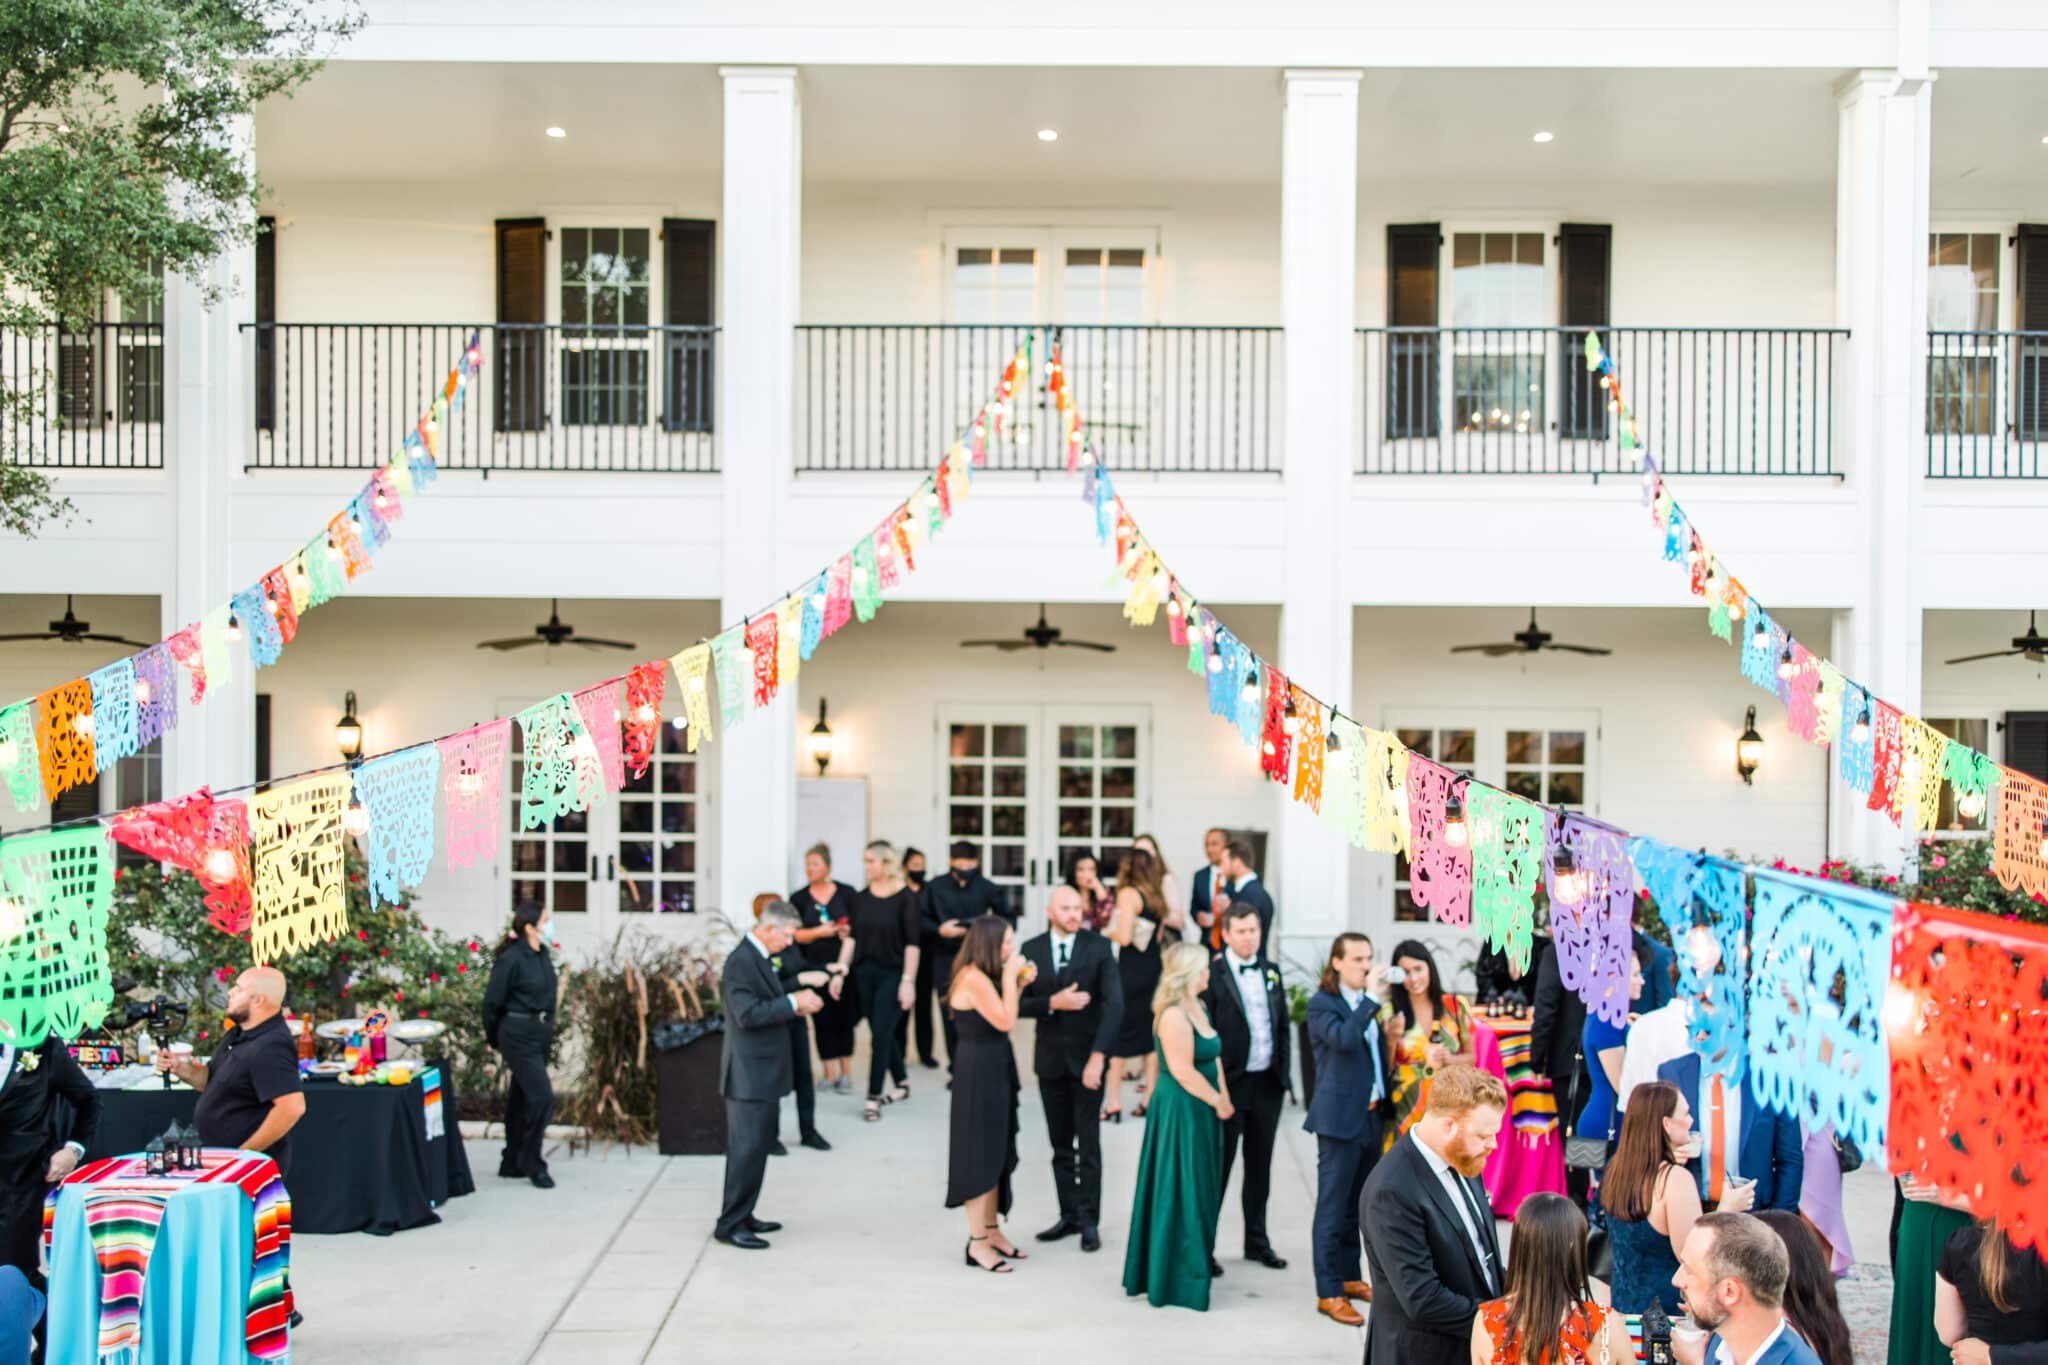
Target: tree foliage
119, 161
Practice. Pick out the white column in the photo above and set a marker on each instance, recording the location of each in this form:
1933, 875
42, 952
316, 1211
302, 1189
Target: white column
758, 292
207, 434
1881, 296
1318, 266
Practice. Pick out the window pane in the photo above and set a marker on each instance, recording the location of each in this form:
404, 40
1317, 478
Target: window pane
1077, 783
569, 856
1077, 822
1120, 784
967, 741
1526, 783
1421, 741
1119, 822
971, 258
636, 855
1006, 860
528, 855
679, 817
1007, 822
679, 855
573, 897
966, 822
1009, 741
1567, 788
636, 817
1077, 741
1567, 746
1525, 746
1009, 781
1457, 747
966, 780
1120, 741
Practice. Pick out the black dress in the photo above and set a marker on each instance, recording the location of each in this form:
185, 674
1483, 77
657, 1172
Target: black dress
2026, 1289
1138, 971
835, 1022
984, 1127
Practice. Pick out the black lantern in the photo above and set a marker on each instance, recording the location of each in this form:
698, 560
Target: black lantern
821, 741
348, 731
1656, 1335
153, 1157
1749, 748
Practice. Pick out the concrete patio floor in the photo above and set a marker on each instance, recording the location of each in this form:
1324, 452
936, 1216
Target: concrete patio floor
617, 1264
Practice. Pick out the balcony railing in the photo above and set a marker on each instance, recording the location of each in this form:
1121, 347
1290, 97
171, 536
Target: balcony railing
1987, 405
84, 397
1159, 399
598, 399
1520, 400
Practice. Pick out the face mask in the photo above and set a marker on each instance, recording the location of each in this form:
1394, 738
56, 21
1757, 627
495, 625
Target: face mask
551, 932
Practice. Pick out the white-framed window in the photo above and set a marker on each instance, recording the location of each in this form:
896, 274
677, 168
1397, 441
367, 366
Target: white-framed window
1097, 792
1974, 731
1500, 286
556, 865
605, 283
1964, 271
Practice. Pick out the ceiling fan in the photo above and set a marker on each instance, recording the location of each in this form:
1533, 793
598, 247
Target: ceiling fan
1040, 636
2034, 645
1526, 642
71, 631
554, 631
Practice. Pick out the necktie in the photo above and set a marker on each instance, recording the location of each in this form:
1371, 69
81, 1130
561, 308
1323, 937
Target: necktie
1372, 1053
1717, 1129
1061, 965
1478, 1224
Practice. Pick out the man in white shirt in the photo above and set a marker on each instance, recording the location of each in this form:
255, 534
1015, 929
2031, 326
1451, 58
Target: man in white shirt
1732, 1276
1653, 1039
1248, 1007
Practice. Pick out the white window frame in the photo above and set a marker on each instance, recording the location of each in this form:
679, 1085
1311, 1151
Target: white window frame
1051, 241
1541, 422
640, 217
2005, 318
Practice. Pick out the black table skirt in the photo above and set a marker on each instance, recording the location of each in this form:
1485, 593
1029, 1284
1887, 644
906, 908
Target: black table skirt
361, 1161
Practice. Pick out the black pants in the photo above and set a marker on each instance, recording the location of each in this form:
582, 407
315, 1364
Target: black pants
524, 1045
876, 983
1578, 1181
800, 1068
1257, 1097
942, 972
1073, 1120
749, 1133
1342, 1165
921, 1008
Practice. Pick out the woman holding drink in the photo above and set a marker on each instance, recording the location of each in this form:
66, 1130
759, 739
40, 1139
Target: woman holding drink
988, 976
1652, 1201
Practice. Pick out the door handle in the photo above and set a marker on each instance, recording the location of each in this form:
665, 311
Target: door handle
1031, 871
593, 867
611, 867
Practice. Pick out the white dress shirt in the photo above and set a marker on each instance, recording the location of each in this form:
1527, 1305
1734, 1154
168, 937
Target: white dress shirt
1062, 950
1373, 1041
1258, 1010
1654, 1039
1459, 1193
1724, 1354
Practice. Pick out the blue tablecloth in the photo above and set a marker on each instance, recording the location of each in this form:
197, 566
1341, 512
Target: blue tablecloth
196, 1293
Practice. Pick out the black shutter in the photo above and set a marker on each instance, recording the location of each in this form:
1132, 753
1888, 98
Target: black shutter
78, 377
522, 303
689, 270
1412, 366
266, 318
2026, 743
1584, 251
2030, 379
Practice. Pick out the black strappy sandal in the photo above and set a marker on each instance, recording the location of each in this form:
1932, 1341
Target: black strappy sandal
871, 1109
1013, 1254
900, 1093
967, 1253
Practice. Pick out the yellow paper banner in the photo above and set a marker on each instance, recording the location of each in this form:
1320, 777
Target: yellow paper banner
691, 666
299, 893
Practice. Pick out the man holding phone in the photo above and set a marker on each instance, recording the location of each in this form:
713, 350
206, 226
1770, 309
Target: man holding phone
1353, 1097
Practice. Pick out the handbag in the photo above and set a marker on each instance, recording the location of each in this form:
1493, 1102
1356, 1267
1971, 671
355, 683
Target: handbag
1584, 1153
1848, 1155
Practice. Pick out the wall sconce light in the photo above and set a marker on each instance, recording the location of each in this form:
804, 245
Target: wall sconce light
348, 731
1749, 749
821, 741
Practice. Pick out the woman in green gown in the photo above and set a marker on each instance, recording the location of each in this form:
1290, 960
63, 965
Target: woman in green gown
1180, 1169
1925, 1225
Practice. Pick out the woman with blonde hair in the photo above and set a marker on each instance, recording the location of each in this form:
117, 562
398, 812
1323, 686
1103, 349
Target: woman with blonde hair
1136, 927
884, 931
1180, 1169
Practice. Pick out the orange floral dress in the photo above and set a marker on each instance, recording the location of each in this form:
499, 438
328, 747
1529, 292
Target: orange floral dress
1580, 1332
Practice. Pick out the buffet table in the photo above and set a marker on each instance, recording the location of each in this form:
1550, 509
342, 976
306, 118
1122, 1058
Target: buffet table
1530, 1157
370, 1158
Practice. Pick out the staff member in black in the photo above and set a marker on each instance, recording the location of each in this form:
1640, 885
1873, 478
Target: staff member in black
519, 1021
249, 1093
927, 986
1249, 1009
1078, 1000
41, 1141
948, 905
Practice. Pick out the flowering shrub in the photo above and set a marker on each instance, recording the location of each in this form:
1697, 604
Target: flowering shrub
1952, 872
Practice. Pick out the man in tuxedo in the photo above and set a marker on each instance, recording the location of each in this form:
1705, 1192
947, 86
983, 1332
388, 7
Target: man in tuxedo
1212, 890
1353, 1098
49, 1111
1246, 889
1078, 1000
1732, 1276
1429, 1233
1248, 1008
1739, 1138
946, 906
1554, 1046
754, 1072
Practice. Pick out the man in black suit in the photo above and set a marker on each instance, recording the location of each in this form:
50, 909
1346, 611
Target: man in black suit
1211, 890
1429, 1233
1554, 1042
49, 1111
1077, 999
754, 1072
946, 906
1353, 1098
1248, 1007
1246, 889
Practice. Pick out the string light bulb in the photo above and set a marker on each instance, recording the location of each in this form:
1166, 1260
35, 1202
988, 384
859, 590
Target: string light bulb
469, 781
1786, 668
1216, 661
1735, 608
7, 752
1760, 637
1970, 804
355, 819
1455, 832
270, 604
234, 630
1859, 733
1173, 606
220, 864
1251, 685
1567, 882
1290, 721
142, 692
82, 722
644, 714
333, 550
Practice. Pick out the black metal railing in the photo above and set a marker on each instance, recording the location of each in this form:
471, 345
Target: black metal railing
1987, 405
1520, 400
88, 397
598, 399
872, 396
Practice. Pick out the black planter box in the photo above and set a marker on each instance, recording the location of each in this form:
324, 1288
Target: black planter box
689, 1113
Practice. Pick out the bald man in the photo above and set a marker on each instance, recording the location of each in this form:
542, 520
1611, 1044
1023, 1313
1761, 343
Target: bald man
250, 1095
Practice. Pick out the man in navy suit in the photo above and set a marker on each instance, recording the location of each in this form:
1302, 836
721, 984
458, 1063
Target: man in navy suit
1245, 887
1739, 1138
1212, 890
1732, 1277
1353, 1097
1657, 986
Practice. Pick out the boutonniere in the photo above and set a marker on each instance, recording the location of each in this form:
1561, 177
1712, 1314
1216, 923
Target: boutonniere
1272, 977
29, 1061
776, 962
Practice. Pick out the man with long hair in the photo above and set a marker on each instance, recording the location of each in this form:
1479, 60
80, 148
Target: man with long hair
1352, 1101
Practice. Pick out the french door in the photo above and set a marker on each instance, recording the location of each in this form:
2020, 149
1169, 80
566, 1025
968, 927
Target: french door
631, 860
1035, 787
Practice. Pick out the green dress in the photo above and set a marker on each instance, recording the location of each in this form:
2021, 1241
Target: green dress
1180, 1189
1924, 1229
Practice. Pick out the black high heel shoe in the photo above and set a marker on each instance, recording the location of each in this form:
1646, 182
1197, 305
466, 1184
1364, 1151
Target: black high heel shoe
1113, 1116
967, 1254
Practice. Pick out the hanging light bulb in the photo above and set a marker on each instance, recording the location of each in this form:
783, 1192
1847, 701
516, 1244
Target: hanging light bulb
82, 722
1970, 804
1703, 948
1215, 662
644, 714
1290, 721
355, 819
1567, 882
270, 604
679, 723
1786, 668
1735, 608
1173, 606
696, 683
1251, 684
1909, 771
1760, 638
1159, 583
355, 523
7, 753
333, 550
220, 864
142, 692
234, 630
1455, 832
1331, 744
1269, 749
1859, 733
469, 781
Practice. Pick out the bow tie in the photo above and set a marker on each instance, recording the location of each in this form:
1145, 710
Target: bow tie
1251, 967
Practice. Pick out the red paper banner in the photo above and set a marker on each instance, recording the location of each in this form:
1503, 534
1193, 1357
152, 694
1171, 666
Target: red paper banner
1887, 753
761, 639
1275, 742
645, 684
277, 600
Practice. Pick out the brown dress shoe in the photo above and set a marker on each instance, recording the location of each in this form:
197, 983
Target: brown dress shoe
1340, 1310
1358, 1289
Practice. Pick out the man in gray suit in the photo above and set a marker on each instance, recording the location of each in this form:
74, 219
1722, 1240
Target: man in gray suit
754, 1073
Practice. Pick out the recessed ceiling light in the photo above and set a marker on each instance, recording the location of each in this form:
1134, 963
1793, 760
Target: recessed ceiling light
2045, 139
1053, 135
558, 132
1544, 137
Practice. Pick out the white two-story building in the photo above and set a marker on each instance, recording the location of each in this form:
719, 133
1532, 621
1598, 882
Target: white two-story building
1321, 274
